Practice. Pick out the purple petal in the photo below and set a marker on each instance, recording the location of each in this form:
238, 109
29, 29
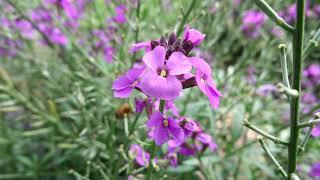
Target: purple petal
161, 135
178, 64
138, 46
200, 82
123, 93
176, 131
201, 65
316, 131
214, 97
121, 82
156, 119
134, 73
155, 59
193, 35
157, 86
139, 104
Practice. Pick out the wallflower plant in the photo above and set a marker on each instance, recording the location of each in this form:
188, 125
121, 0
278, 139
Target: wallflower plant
166, 69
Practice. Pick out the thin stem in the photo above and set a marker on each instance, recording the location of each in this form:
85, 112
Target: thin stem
185, 17
137, 22
304, 141
309, 123
267, 9
134, 124
267, 151
201, 166
296, 84
284, 66
313, 43
154, 146
264, 134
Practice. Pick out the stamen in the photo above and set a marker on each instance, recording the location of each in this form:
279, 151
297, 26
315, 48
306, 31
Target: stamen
163, 73
165, 123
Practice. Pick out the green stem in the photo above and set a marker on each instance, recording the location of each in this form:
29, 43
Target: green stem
284, 65
265, 7
185, 17
134, 124
296, 84
264, 134
267, 151
313, 43
154, 146
309, 123
137, 22
304, 141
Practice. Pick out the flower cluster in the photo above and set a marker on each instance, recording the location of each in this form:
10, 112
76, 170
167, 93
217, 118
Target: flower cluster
50, 17
164, 71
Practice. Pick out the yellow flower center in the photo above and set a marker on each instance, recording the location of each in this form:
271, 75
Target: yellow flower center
165, 123
163, 73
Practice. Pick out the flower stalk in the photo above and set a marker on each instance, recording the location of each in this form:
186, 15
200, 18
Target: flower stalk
265, 7
296, 84
313, 43
269, 154
284, 67
154, 146
309, 123
264, 134
304, 141
185, 17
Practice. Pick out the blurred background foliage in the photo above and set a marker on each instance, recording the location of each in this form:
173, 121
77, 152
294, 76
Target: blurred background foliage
58, 116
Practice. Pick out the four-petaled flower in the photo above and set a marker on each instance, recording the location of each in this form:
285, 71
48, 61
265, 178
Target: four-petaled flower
165, 128
124, 84
160, 79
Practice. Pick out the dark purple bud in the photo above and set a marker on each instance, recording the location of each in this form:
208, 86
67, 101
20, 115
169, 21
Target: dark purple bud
187, 46
172, 39
154, 44
163, 42
189, 83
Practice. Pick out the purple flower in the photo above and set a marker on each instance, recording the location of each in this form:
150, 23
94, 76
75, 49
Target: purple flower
160, 79
70, 9
188, 126
252, 23
108, 53
136, 47
193, 35
316, 10
139, 104
142, 158
277, 32
183, 149
206, 141
124, 84
120, 16
165, 128
315, 170
264, 90
316, 131
25, 28
205, 81
172, 157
